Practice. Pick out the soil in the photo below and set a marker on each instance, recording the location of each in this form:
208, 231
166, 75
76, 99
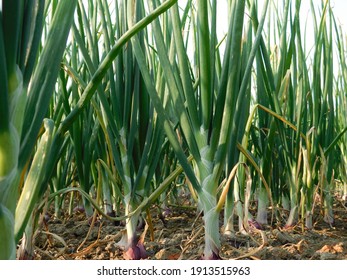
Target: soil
180, 236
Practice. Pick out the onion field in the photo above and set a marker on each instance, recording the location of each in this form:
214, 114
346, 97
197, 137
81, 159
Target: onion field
139, 130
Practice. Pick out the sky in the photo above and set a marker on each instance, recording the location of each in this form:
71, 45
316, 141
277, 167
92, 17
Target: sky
339, 8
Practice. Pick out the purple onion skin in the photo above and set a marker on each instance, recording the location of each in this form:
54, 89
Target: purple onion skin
142, 249
46, 218
214, 256
166, 212
132, 253
255, 224
79, 209
135, 251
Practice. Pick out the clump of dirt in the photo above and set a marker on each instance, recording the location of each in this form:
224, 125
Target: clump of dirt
181, 236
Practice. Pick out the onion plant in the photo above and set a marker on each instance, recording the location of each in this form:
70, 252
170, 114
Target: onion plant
341, 105
139, 86
26, 87
282, 126
129, 123
297, 131
205, 112
125, 147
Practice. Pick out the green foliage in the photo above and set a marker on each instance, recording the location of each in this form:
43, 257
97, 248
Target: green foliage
141, 97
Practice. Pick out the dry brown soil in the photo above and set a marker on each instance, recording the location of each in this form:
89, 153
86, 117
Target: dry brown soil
180, 236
